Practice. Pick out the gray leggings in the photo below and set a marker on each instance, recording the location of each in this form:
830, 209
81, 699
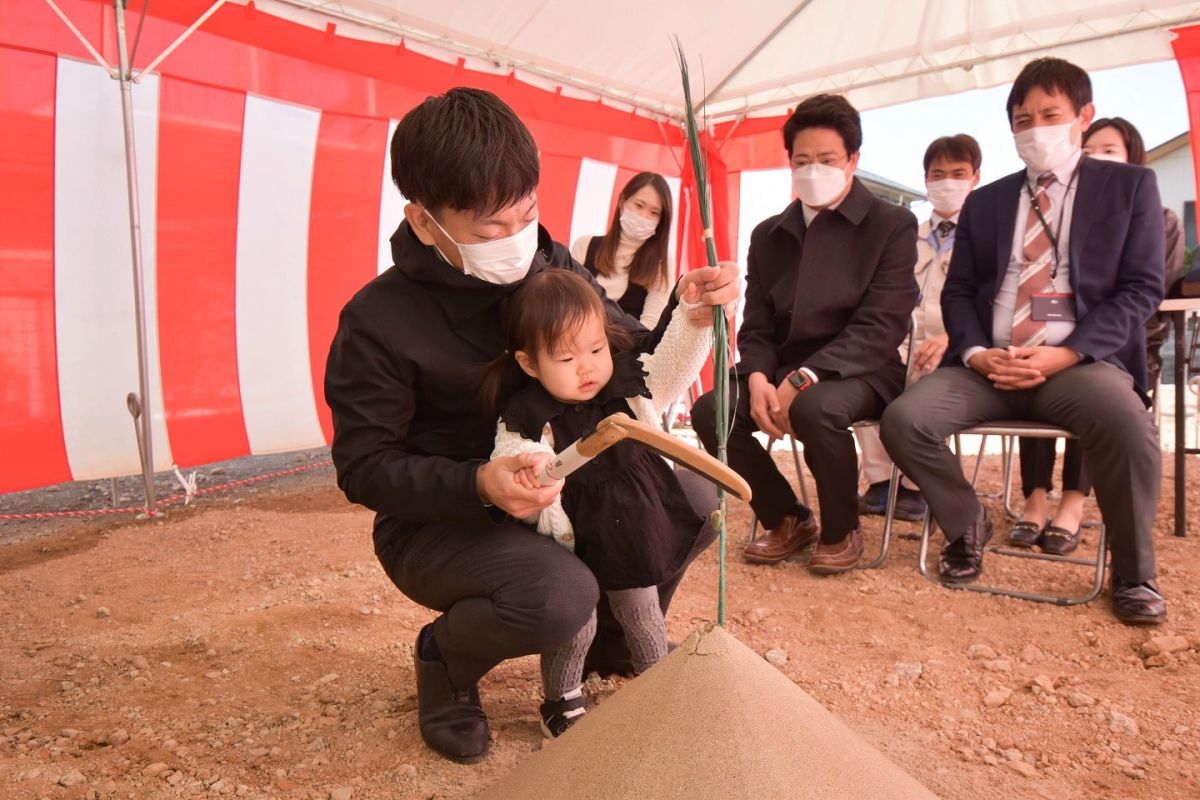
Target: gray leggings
641, 619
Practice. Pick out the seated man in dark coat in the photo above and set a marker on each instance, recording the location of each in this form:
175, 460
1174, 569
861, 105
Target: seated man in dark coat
829, 293
411, 440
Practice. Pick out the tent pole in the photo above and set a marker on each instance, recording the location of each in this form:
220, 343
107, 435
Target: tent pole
178, 40
146, 451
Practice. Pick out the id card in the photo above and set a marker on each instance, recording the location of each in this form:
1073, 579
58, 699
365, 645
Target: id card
1052, 307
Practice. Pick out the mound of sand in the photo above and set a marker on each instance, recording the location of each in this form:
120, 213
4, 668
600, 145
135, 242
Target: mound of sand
711, 720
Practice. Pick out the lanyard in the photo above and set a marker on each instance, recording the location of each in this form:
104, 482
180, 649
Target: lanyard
1061, 212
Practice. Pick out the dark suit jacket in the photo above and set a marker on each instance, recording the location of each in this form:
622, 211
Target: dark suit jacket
835, 297
1116, 263
409, 432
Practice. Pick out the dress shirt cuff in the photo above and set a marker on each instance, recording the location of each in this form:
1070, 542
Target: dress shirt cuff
812, 375
969, 353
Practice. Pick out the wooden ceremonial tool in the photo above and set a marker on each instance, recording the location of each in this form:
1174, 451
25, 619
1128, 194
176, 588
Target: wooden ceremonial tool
617, 427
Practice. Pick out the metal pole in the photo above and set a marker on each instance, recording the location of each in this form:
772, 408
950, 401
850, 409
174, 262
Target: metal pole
135, 235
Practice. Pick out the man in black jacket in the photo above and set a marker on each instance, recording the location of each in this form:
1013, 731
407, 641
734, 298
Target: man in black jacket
410, 438
829, 292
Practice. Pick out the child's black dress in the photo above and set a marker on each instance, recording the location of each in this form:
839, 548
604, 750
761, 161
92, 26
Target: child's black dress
633, 524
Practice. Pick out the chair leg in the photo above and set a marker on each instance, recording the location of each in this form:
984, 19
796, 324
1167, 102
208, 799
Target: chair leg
889, 517
800, 474
979, 460
1010, 457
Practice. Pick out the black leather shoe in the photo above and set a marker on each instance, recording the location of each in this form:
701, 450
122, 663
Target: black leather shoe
1025, 533
452, 721
1059, 541
1138, 603
961, 560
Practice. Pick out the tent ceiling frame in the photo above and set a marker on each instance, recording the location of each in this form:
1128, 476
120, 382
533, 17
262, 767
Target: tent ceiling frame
964, 39
336, 10
964, 64
402, 31
758, 48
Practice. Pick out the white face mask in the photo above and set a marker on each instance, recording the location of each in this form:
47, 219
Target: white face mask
817, 184
1045, 147
501, 261
1106, 157
948, 195
637, 227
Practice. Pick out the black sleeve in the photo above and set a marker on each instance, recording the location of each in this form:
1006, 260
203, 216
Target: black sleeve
370, 389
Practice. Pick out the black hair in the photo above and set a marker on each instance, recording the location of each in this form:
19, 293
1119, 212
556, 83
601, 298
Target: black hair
464, 150
1134, 146
546, 307
959, 147
825, 111
1052, 76
648, 268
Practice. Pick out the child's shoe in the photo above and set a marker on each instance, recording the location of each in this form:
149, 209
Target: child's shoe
559, 715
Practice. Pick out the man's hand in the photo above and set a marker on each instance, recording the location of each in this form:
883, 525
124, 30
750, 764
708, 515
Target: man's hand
497, 483
929, 353
764, 405
1049, 361
785, 393
720, 286
1006, 373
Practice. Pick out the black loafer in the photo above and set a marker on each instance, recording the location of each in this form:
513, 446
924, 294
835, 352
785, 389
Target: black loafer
961, 560
1059, 541
1025, 533
452, 721
1138, 603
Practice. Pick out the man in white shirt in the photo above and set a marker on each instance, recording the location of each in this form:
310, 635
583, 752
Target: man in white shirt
951, 172
1054, 273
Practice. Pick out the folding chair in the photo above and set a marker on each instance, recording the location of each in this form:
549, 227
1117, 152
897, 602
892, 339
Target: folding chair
1037, 431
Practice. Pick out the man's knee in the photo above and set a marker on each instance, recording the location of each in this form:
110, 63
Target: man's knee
551, 609
812, 411
899, 425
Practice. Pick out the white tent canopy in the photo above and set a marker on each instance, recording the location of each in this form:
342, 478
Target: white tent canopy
759, 57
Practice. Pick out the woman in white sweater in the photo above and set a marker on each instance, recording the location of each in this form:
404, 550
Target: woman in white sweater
630, 261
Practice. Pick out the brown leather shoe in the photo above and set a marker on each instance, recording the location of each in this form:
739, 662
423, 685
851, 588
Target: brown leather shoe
782, 541
831, 558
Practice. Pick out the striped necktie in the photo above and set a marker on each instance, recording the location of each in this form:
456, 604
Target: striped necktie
1038, 256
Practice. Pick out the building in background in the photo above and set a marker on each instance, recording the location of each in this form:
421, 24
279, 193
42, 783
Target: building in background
889, 190
1172, 163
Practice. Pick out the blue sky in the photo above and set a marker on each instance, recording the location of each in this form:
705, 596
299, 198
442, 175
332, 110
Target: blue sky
1150, 96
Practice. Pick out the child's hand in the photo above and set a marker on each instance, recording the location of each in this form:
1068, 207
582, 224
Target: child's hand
497, 484
529, 477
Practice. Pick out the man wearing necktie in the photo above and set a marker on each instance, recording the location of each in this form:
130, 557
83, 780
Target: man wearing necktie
1055, 271
951, 172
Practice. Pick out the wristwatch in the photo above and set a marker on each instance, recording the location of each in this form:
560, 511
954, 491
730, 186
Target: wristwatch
799, 379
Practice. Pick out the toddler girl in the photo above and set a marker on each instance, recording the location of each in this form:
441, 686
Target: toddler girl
623, 513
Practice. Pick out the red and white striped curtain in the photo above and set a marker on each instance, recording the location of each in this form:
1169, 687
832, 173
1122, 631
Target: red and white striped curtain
265, 201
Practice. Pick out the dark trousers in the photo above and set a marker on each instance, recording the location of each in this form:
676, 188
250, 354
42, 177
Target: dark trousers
821, 417
1037, 466
505, 590
1094, 401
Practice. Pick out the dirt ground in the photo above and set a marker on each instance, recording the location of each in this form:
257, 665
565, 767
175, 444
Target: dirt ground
251, 645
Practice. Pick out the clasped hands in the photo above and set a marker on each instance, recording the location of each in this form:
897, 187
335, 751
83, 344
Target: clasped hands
1016, 368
